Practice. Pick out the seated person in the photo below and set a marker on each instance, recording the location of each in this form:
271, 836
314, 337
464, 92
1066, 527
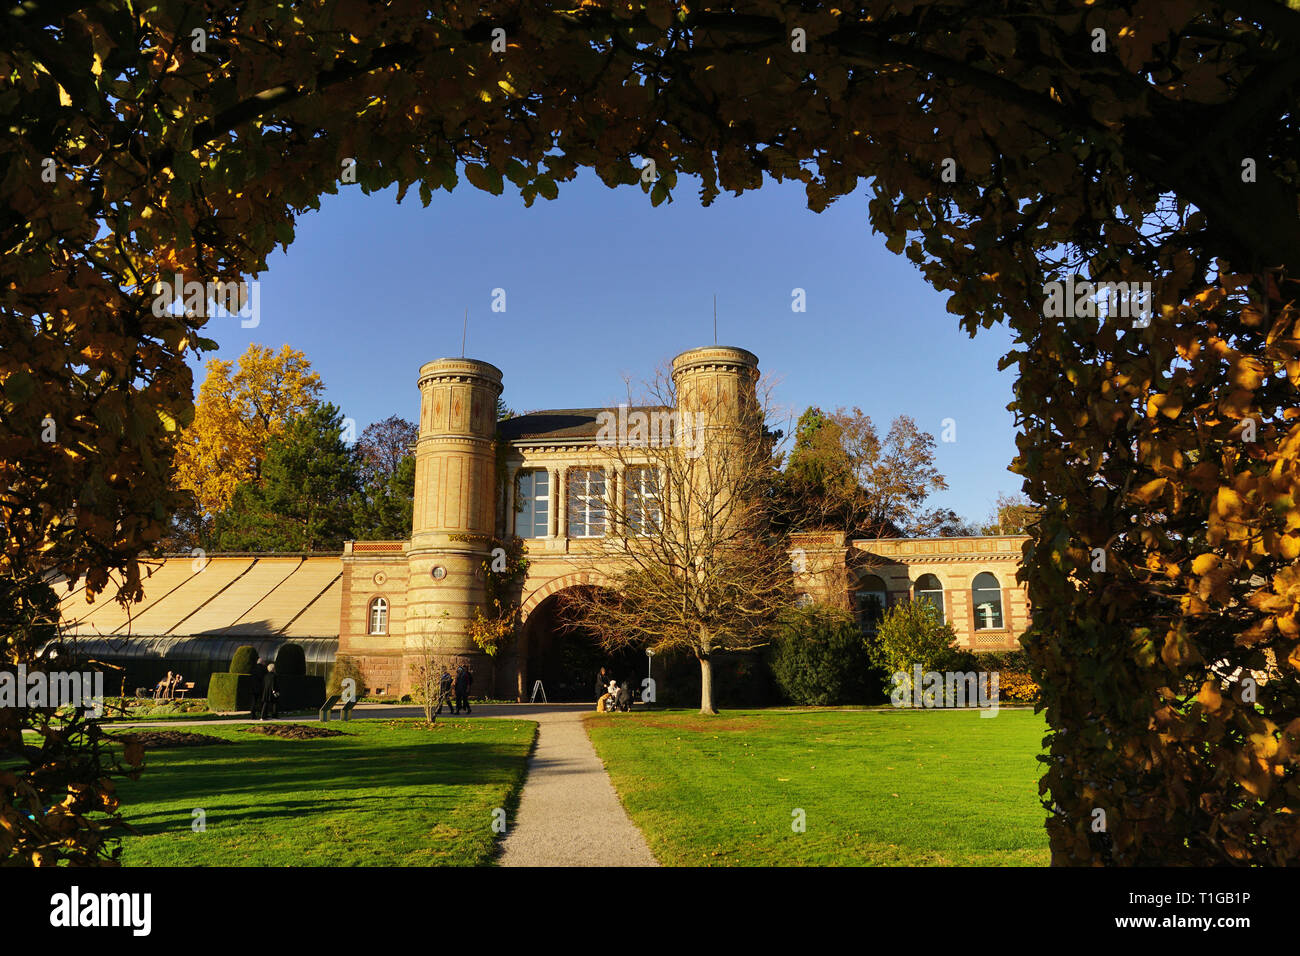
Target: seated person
624, 697
163, 687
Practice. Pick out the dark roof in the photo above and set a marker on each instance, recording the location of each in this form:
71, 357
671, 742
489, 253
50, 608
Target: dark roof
569, 424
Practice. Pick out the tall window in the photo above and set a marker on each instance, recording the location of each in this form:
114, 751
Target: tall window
928, 588
379, 616
986, 596
535, 504
586, 503
644, 509
870, 598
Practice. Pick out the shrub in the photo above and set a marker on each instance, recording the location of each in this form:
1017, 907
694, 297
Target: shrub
1003, 661
299, 691
230, 692
245, 660
821, 658
913, 632
345, 667
1017, 687
291, 661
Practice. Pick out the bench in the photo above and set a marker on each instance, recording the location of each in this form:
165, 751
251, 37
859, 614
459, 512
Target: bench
180, 692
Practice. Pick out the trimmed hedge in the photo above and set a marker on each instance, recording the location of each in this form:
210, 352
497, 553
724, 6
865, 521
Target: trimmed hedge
291, 661
245, 660
230, 692
299, 691
1015, 660
236, 692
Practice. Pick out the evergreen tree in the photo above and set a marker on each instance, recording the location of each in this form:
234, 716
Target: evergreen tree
306, 498
382, 510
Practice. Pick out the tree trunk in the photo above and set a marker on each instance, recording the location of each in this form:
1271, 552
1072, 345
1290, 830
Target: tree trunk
706, 687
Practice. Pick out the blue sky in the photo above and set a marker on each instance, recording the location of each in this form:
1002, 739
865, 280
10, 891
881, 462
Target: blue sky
599, 284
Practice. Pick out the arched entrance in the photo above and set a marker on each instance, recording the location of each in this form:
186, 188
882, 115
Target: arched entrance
556, 649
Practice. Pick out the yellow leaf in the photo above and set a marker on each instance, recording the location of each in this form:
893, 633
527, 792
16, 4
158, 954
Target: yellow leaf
1227, 502
1205, 563
1209, 697
1151, 490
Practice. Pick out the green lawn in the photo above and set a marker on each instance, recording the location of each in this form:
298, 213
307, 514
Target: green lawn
885, 787
381, 796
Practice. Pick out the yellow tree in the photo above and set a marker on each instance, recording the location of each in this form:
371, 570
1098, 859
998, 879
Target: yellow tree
240, 408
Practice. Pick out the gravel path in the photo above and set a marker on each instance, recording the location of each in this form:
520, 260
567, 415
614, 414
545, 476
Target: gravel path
569, 814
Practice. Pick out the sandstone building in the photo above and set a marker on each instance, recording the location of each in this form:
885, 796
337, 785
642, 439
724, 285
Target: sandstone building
386, 603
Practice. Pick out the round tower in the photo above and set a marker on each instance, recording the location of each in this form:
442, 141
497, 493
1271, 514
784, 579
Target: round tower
453, 515
718, 382
721, 434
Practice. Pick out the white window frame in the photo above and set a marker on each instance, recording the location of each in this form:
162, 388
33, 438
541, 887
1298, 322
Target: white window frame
934, 596
642, 500
377, 617
588, 512
976, 604
526, 517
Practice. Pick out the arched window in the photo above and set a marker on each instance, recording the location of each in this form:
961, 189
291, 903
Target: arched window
928, 588
986, 596
379, 616
870, 598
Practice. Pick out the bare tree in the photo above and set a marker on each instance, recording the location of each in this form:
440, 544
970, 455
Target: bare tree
682, 508
383, 445
426, 672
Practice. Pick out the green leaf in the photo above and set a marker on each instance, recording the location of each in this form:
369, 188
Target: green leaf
19, 387
485, 178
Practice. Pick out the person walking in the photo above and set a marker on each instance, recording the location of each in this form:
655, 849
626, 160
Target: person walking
259, 679
444, 691
269, 693
461, 686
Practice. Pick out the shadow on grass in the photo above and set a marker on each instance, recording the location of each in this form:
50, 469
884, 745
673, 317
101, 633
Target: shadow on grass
264, 779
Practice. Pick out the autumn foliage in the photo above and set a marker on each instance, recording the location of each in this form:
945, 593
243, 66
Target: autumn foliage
1007, 145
